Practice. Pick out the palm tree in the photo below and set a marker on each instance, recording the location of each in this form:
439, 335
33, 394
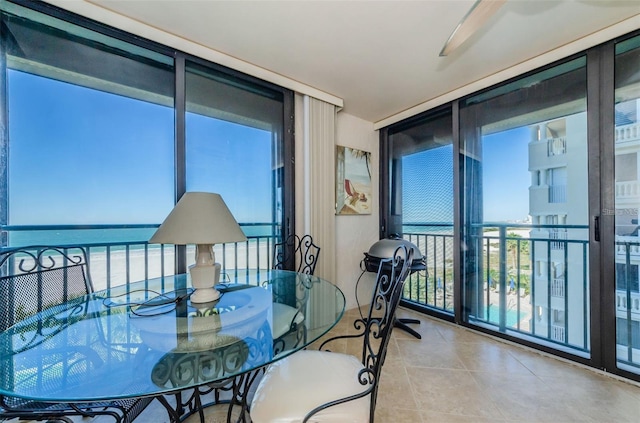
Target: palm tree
516, 246
360, 154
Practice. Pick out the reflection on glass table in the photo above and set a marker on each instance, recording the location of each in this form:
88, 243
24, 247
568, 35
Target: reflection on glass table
147, 338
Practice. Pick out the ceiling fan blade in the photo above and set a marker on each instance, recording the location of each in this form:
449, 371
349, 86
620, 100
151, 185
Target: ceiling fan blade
471, 22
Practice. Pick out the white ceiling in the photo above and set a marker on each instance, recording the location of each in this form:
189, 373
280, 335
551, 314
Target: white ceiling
381, 57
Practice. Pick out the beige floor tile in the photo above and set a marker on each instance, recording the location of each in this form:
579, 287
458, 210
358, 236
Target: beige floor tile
397, 415
429, 354
450, 391
454, 375
395, 389
489, 357
435, 417
526, 398
598, 397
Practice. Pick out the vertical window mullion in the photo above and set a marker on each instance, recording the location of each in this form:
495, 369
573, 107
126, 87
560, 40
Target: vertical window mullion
180, 149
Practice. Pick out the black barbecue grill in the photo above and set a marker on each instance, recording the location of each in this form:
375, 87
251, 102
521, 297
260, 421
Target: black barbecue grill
384, 249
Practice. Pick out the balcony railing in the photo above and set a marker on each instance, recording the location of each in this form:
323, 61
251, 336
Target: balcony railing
557, 287
511, 286
627, 133
556, 146
558, 236
433, 287
627, 190
558, 333
628, 301
558, 194
127, 257
514, 287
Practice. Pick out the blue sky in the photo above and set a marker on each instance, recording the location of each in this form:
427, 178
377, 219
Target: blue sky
91, 157
506, 177
81, 156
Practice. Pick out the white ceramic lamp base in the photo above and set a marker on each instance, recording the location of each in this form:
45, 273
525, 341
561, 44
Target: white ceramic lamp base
203, 279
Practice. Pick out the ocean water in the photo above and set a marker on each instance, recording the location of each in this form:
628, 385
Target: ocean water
438, 229
136, 236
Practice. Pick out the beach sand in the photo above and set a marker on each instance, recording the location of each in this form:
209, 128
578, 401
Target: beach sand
121, 266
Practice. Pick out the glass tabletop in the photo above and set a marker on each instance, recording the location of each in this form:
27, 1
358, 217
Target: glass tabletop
148, 338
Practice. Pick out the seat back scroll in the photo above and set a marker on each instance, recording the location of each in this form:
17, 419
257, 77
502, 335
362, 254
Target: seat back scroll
44, 289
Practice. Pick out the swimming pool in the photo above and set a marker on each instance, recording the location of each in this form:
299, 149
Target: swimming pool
494, 316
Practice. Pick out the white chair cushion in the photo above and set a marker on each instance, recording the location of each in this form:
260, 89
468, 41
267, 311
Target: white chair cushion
302, 381
283, 316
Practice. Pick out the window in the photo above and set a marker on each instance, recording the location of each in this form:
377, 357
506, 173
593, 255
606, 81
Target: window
234, 133
90, 143
508, 133
100, 142
627, 167
628, 333
627, 198
534, 162
421, 204
627, 277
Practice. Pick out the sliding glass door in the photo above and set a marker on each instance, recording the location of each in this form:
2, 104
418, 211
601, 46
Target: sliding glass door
525, 199
421, 204
627, 204
523, 148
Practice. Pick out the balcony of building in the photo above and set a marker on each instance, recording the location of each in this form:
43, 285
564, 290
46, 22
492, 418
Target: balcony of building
627, 193
627, 249
627, 134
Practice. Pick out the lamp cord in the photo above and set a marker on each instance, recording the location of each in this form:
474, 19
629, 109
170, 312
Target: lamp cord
158, 303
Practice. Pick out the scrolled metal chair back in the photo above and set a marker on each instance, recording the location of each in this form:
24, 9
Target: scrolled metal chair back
392, 274
376, 326
37, 277
49, 279
296, 253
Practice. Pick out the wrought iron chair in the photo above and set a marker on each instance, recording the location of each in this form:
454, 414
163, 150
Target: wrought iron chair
290, 303
38, 278
296, 253
333, 387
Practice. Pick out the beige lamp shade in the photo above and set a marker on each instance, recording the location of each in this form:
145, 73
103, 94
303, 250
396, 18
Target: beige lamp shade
199, 218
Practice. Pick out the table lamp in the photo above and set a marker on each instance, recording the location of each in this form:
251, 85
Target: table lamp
200, 218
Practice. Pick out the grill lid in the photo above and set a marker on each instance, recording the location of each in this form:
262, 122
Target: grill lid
386, 247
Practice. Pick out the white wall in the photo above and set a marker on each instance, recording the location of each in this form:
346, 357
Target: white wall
355, 234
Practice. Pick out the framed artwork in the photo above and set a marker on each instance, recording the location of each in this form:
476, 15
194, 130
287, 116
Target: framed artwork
353, 181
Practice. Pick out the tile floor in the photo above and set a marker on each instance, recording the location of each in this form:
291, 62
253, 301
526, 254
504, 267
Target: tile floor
459, 376
456, 375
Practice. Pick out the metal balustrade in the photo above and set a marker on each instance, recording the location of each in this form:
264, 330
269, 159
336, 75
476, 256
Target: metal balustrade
556, 146
627, 133
517, 290
433, 287
520, 292
122, 262
557, 287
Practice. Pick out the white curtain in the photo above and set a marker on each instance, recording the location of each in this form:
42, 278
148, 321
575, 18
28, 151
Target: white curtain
318, 148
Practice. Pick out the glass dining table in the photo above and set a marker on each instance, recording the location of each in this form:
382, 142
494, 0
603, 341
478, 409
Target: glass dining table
147, 339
